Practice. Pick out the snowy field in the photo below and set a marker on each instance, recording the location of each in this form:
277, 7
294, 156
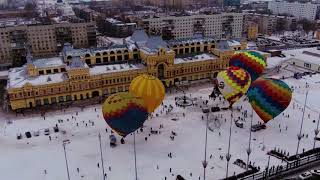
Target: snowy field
28, 159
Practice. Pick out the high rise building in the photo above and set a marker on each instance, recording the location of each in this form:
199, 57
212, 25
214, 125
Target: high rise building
225, 25
299, 10
44, 40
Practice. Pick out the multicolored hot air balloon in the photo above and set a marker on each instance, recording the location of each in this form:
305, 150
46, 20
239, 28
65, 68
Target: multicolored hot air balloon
124, 112
233, 83
150, 89
251, 61
269, 97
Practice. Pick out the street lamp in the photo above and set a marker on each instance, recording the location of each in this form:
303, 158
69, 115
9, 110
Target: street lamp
299, 135
64, 143
205, 162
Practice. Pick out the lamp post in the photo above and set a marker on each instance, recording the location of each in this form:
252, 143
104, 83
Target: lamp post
204, 162
64, 143
249, 146
316, 132
299, 135
101, 155
228, 155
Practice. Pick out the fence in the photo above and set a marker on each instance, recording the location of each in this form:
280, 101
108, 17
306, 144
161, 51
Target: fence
273, 172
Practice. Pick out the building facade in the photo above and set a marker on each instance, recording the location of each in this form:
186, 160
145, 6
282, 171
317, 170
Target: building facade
44, 40
225, 25
252, 31
267, 24
88, 73
299, 10
116, 28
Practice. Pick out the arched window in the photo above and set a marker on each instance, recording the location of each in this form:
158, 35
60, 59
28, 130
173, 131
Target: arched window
111, 52
104, 53
98, 54
87, 55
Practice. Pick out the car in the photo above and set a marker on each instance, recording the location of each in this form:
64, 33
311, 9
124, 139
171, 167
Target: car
28, 134
305, 175
36, 133
47, 132
215, 109
315, 172
258, 127
239, 124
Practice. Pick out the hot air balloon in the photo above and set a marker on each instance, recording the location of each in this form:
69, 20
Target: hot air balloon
233, 83
150, 89
251, 61
124, 112
269, 97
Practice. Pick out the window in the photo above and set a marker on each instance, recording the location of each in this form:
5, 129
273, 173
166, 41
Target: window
48, 71
105, 59
41, 72
55, 70
63, 70
119, 58
307, 65
98, 60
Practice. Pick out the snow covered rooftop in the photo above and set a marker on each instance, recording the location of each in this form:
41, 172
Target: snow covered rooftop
18, 77
233, 43
48, 62
201, 57
104, 69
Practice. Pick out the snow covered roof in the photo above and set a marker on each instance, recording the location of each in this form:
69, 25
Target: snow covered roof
223, 45
233, 43
77, 63
18, 77
155, 43
201, 57
191, 40
139, 36
105, 69
48, 62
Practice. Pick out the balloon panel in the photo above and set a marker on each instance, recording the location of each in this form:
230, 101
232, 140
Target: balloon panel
233, 83
124, 112
150, 89
251, 61
269, 97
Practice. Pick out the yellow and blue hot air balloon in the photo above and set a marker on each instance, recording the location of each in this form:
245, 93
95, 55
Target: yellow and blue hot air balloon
124, 112
150, 89
233, 83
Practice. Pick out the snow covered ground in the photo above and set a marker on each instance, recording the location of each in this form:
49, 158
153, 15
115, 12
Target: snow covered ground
29, 158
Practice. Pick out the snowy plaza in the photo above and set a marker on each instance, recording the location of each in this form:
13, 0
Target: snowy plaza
42, 157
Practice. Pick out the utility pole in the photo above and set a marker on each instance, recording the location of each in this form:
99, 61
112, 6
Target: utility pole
64, 143
103, 173
299, 135
316, 132
205, 163
249, 147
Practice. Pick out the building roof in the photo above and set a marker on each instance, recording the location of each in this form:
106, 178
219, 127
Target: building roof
155, 43
18, 77
200, 57
105, 69
48, 62
139, 36
77, 63
223, 45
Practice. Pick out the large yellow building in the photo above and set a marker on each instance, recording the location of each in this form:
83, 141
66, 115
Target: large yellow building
87, 73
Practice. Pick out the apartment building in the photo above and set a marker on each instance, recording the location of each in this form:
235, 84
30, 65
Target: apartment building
267, 23
296, 9
225, 25
43, 39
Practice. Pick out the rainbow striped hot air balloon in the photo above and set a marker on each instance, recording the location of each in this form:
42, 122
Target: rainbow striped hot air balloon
251, 61
233, 83
269, 97
124, 112
150, 89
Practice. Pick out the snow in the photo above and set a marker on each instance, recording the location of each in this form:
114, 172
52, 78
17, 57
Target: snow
201, 57
30, 157
18, 77
106, 69
4, 74
49, 62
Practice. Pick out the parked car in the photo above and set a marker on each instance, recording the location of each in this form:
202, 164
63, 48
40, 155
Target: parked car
215, 109
47, 132
258, 127
28, 134
315, 172
19, 136
305, 175
239, 124
36, 133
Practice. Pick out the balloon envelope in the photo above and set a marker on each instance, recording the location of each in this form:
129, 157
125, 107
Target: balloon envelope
251, 61
150, 89
269, 97
233, 83
124, 112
